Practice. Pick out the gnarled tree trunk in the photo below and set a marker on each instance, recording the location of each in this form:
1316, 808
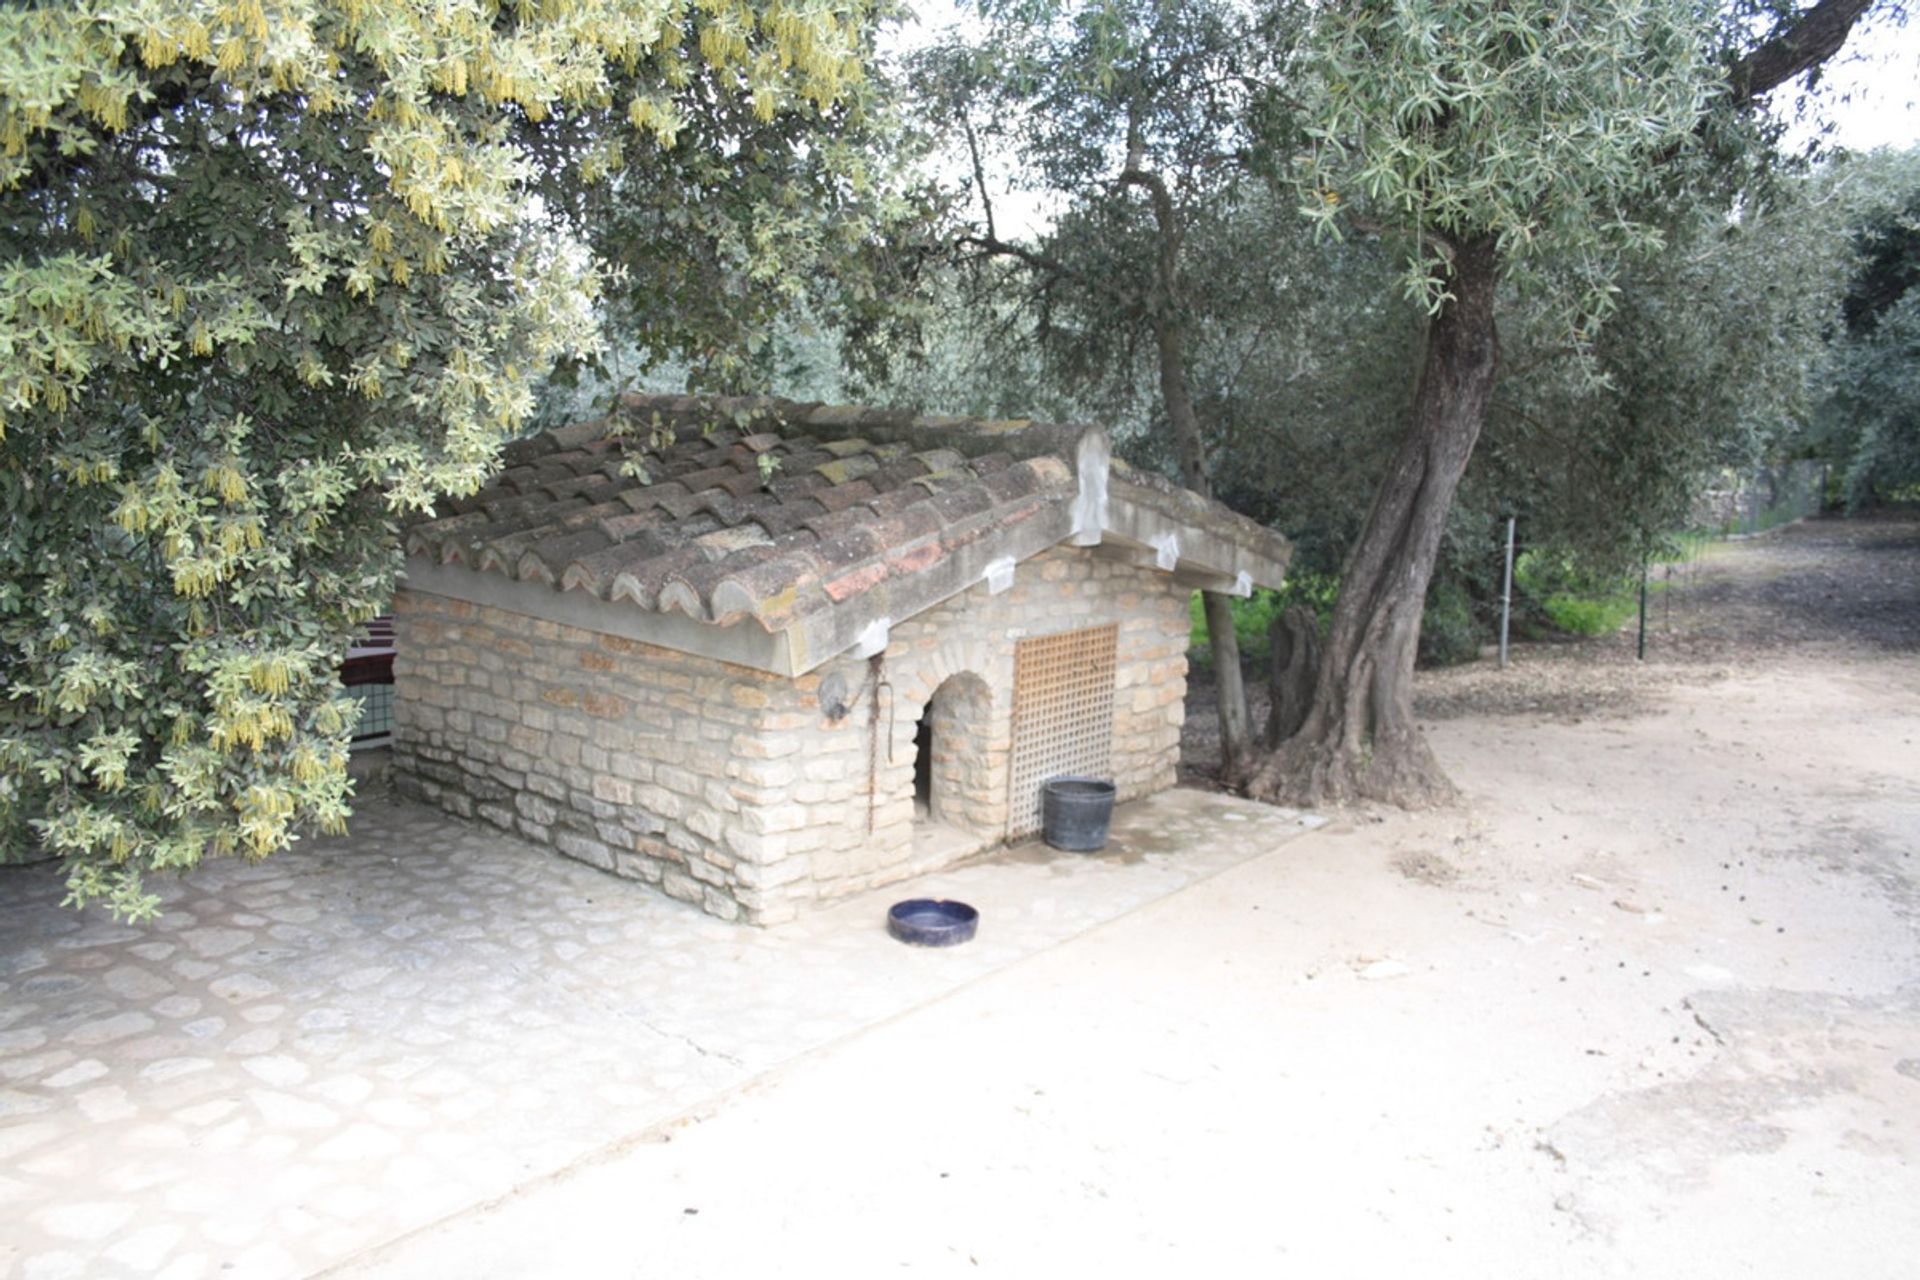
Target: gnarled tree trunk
1294, 639
1359, 739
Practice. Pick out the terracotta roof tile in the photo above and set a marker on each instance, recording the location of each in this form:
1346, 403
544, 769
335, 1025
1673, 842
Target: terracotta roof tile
784, 517
862, 514
641, 582
841, 496
958, 503
850, 467
898, 500
619, 527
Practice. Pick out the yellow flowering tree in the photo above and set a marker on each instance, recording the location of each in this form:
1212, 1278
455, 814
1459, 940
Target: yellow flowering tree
274, 272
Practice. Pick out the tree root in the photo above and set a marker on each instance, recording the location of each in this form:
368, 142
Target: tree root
1307, 774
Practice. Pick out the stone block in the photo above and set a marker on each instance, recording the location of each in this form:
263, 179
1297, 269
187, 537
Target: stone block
676, 779
705, 872
531, 741
550, 787
772, 875
633, 766
537, 808
637, 866
499, 815
639, 820
753, 847
763, 772
612, 790
774, 818
765, 746
485, 789
658, 800
590, 851
704, 823
718, 795
604, 706
824, 768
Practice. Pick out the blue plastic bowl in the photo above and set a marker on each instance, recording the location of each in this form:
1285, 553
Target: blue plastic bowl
924, 922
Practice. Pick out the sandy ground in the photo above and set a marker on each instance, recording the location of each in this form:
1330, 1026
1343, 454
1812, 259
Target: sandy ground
1647, 1004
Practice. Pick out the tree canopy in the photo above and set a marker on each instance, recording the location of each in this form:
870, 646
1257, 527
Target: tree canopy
273, 274
1519, 162
1868, 419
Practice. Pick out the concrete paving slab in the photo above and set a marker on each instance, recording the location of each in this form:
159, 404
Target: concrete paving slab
303, 1059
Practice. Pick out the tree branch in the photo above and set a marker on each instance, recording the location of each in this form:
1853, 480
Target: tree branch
979, 175
1164, 215
1798, 44
994, 247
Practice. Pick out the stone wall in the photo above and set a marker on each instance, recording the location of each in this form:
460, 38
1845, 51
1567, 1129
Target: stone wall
736, 789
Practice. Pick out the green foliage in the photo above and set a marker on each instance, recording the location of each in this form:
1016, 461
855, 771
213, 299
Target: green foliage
1574, 597
1064, 100
268, 281
1449, 631
1702, 368
1524, 122
1589, 615
1868, 423
1254, 615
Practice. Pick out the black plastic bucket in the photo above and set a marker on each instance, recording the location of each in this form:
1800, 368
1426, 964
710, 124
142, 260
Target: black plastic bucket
1075, 813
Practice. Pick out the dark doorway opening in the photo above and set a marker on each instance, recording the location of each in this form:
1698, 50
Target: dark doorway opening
923, 764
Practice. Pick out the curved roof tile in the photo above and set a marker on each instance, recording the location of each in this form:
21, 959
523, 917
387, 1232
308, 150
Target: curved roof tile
793, 515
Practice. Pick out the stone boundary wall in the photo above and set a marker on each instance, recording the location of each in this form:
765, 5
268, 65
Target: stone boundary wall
733, 788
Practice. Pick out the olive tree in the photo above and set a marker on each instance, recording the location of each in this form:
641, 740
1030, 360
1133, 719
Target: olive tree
1134, 115
1501, 145
1868, 424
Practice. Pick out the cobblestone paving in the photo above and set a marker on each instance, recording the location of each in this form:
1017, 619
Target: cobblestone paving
306, 1058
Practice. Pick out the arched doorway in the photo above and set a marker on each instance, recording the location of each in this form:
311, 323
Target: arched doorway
952, 785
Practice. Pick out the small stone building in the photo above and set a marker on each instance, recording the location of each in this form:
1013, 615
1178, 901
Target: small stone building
759, 653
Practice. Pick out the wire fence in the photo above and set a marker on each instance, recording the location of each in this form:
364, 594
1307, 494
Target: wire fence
1762, 499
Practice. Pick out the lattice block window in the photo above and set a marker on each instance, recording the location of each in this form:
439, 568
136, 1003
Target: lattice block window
1062, 716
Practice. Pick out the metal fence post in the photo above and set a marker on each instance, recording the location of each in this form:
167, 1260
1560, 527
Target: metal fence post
1642, 654
1506, 596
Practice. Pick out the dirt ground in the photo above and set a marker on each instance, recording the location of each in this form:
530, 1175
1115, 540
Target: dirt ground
1841, 590
1647, 1004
